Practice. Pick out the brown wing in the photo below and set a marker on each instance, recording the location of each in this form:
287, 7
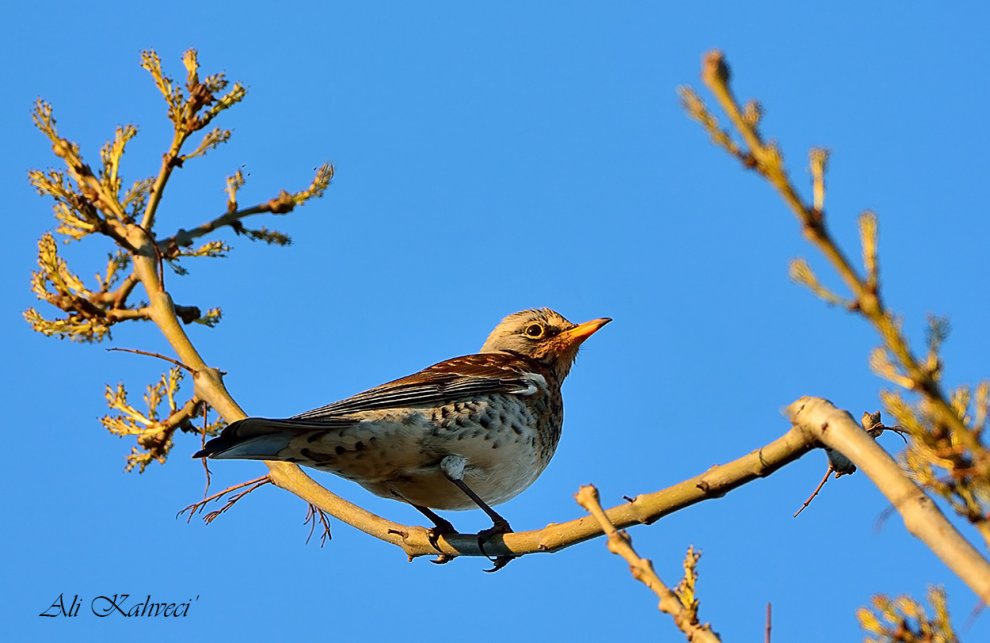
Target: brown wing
452, 380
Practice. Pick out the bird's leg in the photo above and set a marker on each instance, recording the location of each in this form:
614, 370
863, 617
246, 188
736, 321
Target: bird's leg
441, 527
499, 524
453, 469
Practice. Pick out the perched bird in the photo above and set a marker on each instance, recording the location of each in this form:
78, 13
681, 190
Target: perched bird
471, 431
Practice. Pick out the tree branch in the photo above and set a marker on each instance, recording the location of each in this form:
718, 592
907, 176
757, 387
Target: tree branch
186, 237
121, 314
922, 517
619, 543
184, 414
168, 163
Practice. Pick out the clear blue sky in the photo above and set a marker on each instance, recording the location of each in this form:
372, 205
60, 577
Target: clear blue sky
488, 160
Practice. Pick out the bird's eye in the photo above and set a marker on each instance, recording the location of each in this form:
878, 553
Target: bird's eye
535, 331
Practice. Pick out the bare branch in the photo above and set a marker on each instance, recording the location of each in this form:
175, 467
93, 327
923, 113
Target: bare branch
197, 507
138, 351
804, 505
316, 515
684, 612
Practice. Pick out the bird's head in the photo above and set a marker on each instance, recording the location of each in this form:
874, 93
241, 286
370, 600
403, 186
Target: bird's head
544, 335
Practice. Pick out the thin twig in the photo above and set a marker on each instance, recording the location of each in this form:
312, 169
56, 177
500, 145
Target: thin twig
974, 614
828, 472
883, 517
198, 506
313, 515
202, 444
138, 351
186, 237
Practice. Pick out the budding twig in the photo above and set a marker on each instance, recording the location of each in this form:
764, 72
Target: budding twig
619, 543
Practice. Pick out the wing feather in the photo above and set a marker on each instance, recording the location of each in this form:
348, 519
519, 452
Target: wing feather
453, 380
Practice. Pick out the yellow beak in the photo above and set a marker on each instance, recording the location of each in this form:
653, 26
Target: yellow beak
581, 332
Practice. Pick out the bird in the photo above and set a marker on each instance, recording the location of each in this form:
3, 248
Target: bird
468, 432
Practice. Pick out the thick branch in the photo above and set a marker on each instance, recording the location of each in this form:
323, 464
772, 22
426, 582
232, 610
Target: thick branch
837, 429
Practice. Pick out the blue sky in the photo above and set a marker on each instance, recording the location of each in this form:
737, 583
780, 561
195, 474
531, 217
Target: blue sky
491, 159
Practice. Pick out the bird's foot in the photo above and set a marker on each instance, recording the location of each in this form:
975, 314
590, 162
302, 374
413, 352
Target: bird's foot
442, 559
498, 528
441, 528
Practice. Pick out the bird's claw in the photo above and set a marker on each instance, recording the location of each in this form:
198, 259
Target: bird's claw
442, 559
497, 529
498, 563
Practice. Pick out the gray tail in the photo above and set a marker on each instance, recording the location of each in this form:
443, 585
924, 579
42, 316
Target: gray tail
253, 439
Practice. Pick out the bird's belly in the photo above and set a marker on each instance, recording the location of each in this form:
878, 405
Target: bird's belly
495, 479
398, 453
